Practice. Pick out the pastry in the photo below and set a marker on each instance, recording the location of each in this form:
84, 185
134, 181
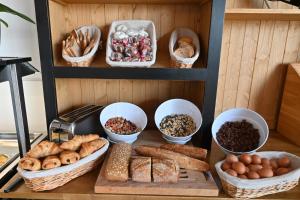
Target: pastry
77, 140
194, 152
165, 170
43, 149
88, 148
184, 41
51, 162
118, 162
185, 51
183, 160
69, 157
3, 159
28, 163
140, 169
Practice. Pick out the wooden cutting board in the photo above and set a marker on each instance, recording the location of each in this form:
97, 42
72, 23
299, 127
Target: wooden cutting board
191, 183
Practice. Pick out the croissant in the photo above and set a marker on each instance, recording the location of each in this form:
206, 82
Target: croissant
32, 164
88, 148
76, 142
69, 157
43, 149
51, 162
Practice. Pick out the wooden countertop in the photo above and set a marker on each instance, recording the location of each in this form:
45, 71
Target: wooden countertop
83, 187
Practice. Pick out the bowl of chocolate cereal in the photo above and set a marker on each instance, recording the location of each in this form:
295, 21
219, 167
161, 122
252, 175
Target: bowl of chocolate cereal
240, 130
178, 120
123, 122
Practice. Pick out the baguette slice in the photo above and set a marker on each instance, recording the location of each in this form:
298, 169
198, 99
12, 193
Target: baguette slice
194, 152
183, 160
118, 162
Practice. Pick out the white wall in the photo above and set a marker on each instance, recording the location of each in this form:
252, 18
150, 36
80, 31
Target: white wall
20, 40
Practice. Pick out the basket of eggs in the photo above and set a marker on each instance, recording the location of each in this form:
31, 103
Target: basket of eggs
49, 165
263, 173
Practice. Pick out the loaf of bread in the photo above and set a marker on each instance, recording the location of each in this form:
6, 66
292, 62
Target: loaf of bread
118, 162
194, 152
165, 170
140, 169
183, 160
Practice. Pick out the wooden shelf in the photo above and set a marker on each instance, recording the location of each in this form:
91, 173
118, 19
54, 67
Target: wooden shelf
129, 1
262, 14
76, 190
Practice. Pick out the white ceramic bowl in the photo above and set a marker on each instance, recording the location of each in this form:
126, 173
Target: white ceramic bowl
238, 114
128, 111
178, 106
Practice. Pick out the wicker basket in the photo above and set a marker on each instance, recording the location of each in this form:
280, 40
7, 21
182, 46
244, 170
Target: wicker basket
53, 178
87, 59
177, 61
243, 188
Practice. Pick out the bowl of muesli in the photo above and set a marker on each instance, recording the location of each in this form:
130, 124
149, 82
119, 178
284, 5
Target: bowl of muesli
178, 120
123, 121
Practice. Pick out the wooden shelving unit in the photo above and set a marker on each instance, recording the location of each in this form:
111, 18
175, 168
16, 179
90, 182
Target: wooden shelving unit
154, 85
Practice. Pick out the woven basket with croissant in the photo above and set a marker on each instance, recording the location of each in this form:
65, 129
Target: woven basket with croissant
49, 165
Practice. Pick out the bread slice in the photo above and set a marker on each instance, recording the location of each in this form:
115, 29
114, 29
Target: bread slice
165, 170
140, 169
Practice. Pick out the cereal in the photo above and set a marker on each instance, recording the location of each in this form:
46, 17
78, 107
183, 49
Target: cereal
177, 125
238, 136
121, 126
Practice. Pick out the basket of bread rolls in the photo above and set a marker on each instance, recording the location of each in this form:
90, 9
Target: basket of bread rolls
81, 45
259, 174
184, 48
49, 165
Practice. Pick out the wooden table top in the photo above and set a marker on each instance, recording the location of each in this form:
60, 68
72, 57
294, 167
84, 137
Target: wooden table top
83, 187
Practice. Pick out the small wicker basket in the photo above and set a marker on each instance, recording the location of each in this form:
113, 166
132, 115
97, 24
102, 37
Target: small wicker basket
177, 61
244, 188
86, 60
53, 178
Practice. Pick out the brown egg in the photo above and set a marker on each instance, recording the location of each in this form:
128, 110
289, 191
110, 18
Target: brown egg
239, 167
253, 175
256, 159
230, 158
242, 176
265, 172
245, 158
281, 171
284, 162
225, 166
273, 163
265, 161
254, 168
231, 172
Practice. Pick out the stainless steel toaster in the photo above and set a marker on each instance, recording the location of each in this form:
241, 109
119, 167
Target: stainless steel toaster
84, 120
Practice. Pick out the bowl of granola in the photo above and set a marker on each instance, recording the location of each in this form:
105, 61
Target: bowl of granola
123, 121
178, 120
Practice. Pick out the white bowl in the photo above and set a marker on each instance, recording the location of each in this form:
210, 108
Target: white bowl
238, 114
128, 111
178, 106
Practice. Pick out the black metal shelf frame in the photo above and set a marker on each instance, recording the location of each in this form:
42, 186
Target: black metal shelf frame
209, 75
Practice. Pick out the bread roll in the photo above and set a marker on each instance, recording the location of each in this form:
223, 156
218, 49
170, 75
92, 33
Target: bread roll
194, 152
32, 164
118, 162
183, 160
43, 149
165, 170
140, 169
75, 143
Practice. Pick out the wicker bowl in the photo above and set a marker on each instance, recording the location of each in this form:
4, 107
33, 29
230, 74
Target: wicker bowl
53, 178
245, 188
